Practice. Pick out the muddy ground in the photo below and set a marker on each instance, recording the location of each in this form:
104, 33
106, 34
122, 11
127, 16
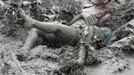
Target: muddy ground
45, 61
41, 64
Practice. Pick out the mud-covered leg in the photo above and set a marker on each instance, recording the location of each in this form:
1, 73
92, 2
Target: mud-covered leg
125, 36
125, 42
74, 65
82, 55
122, 32
31, 39
29, 43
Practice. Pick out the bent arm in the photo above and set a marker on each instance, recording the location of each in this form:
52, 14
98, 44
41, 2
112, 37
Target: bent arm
76, 18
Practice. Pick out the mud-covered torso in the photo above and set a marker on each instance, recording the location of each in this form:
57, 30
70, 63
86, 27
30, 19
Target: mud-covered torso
88, 29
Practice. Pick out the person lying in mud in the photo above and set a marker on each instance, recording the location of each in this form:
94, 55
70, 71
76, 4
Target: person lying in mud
94, 17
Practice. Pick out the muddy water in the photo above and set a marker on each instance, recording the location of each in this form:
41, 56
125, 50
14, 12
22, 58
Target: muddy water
101, 69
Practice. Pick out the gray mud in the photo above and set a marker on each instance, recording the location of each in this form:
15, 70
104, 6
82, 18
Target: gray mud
44, 61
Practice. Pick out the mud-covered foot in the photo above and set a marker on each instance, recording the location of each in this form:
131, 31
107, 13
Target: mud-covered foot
22, 55
70, 67
28, 19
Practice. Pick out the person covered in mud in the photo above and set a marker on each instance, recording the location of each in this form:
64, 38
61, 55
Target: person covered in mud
95, 14
57, 33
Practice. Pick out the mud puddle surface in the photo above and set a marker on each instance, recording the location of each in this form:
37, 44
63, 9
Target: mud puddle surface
13, 45
102, 70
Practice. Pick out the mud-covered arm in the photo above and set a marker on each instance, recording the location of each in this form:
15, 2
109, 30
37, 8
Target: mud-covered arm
76, 18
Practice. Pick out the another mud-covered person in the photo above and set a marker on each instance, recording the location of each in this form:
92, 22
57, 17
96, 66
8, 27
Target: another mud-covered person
95, 17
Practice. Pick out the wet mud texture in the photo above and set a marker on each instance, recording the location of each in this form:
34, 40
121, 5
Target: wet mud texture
43, 60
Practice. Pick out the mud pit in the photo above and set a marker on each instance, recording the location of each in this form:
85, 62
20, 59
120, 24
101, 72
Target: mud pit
44, 65
46, 61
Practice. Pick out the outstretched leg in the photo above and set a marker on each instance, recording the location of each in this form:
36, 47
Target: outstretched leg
33, 36
28, 44
62, 32
82, 55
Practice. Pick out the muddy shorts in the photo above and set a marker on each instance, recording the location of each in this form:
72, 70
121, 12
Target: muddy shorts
52, 40
76, 38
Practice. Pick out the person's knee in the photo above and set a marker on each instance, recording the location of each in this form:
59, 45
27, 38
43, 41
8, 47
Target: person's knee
33, 32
